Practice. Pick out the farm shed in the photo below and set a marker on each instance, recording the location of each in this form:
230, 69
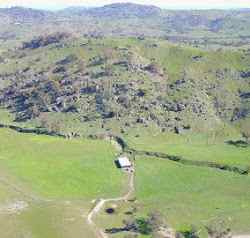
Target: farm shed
124, 162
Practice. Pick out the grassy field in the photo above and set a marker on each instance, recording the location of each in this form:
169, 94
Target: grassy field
40, 218
57, 179
5, 116
190, 195
56, 167
200, 147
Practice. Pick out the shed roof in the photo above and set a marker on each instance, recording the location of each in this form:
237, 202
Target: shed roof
124, 161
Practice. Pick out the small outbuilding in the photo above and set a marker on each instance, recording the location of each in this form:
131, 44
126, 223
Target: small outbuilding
124, 162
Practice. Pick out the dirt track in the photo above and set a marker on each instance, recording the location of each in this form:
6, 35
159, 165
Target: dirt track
100, 204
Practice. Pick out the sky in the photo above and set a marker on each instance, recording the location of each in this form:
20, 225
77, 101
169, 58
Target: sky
171, 4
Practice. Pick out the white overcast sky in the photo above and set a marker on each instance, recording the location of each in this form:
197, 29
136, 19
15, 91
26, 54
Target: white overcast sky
178, 4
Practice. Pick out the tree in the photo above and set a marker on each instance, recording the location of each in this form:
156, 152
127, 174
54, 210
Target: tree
219, 230
144, 226
246, 135
149, 225
56, 126
156, 221
44, 120
53, 125
34, 111
188, 232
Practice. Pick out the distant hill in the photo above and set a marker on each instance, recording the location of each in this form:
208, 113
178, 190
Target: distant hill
24, 14
116, 9
122, 10
169, 20
225, 27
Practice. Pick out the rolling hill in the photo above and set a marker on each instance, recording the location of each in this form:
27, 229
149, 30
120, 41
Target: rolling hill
127, 80
169, 89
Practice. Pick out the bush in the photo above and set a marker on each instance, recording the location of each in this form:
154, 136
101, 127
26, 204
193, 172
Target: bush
218, 230
144, 226
188, 232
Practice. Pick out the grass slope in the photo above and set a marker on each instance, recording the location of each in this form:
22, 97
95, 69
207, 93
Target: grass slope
198, 147
190, 195
56, 167
69, 173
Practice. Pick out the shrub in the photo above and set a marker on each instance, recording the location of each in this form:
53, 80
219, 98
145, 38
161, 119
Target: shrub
188, 232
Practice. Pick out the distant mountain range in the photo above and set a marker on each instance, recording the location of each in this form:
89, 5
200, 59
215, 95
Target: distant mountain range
24, 14
136, 20
120, 10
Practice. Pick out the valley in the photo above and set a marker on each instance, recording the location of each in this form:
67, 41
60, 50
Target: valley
169, 89
45, 180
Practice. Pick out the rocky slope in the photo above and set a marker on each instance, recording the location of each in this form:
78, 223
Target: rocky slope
130, 81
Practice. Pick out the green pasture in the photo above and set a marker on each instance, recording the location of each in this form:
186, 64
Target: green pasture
193, 196
200, 147
58, 168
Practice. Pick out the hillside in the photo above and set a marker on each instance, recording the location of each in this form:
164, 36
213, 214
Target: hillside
128, 81
167, 91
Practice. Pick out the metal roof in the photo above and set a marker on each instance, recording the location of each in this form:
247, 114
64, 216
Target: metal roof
124, 162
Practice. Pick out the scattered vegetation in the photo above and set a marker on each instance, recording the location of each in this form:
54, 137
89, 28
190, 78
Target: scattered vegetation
219, 229
188, 232
163, 84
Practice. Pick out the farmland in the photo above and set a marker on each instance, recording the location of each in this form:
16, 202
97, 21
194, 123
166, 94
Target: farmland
196, 147
57, 178
190, 195
170, 90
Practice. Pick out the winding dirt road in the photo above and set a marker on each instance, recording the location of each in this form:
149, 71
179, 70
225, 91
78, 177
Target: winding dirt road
100, 204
